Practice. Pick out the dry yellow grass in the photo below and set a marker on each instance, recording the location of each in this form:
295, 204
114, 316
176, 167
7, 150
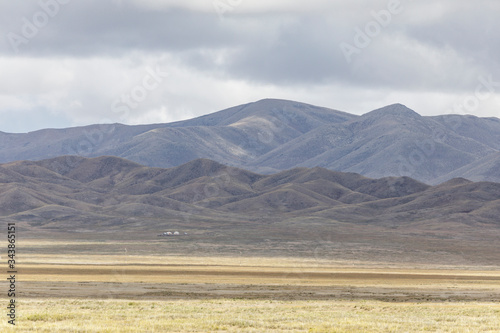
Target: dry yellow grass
73, 315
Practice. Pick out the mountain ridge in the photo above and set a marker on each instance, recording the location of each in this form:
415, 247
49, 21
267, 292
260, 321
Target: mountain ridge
89, 181
221, 208
271, 135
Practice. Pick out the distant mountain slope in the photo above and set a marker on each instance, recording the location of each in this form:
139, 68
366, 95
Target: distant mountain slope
487, 167
90, 193
271, 135
390, 141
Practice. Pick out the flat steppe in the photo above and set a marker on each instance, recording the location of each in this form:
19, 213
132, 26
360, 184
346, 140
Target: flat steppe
133, 291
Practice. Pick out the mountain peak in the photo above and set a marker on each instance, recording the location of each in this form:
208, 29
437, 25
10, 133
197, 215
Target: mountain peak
204, 165
393, 110
455, 182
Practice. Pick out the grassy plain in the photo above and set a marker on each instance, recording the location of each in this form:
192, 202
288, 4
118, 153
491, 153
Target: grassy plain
246, 315
117, 292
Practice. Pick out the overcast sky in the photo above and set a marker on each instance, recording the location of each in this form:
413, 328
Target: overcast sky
67, 62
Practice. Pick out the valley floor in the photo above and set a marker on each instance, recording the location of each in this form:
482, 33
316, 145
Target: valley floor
91, 292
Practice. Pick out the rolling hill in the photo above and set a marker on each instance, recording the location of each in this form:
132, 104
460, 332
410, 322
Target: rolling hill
70, 189
313, 212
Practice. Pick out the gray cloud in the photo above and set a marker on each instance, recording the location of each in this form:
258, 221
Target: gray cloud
91, 52
90, 28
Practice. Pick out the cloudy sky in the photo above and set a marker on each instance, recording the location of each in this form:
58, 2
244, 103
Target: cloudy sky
67, 62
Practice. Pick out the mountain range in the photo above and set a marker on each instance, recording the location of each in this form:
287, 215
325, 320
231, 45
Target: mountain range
272, 135
223, 208
83, 191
